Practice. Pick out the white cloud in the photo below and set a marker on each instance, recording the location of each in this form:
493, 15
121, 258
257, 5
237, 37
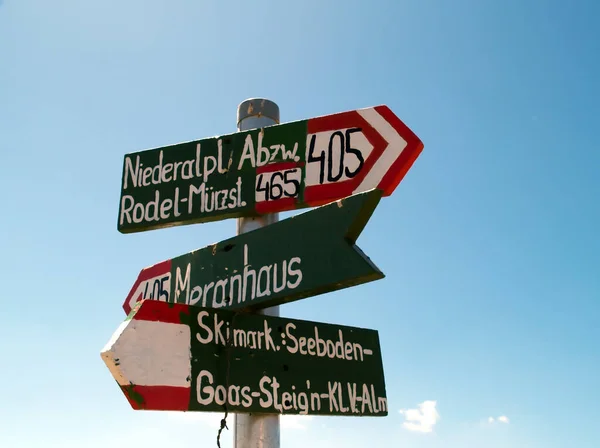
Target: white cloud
501, 419
422, 419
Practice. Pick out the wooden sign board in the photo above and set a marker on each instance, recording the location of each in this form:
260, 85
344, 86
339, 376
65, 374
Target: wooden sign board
184, 358
282, 167
308, 254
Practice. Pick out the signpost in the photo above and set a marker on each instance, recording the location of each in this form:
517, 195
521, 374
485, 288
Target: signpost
203, 331
185, 358
305, 255
250, 430
276, 168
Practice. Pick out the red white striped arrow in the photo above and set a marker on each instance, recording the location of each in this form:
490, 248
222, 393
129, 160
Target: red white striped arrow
386, 145
149, 357
390, 167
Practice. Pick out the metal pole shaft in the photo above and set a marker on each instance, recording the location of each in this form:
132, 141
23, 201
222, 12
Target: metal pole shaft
254, 430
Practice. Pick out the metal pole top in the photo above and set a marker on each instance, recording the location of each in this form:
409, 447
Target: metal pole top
258, 108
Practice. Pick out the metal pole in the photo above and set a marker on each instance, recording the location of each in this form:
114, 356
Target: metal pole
257, 431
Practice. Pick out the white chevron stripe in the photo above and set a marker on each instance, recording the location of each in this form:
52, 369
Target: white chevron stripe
396, 145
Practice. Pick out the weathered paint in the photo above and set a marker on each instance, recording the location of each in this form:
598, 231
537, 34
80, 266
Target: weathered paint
282, 167
298, 257
175, 357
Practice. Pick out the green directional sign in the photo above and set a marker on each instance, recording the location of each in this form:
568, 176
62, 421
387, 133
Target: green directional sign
282, 167
185, 358
298, 257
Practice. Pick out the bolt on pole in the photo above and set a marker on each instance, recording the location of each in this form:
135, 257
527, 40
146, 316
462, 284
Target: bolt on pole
257, 430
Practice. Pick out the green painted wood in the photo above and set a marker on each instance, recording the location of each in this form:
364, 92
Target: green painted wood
201, 181
302, 256
281, 167
180, 357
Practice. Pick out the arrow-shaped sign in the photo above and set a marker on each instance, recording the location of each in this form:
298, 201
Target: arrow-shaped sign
283, 167
305, 255
185, 358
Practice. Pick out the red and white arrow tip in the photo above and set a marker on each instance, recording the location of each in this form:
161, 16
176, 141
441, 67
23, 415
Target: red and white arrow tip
401, 150
149, 357
387, 147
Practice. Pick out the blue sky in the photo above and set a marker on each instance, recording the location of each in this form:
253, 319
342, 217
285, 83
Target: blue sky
490, 306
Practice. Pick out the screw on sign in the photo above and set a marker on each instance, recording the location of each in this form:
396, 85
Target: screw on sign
277, 168
289, 260
176, 357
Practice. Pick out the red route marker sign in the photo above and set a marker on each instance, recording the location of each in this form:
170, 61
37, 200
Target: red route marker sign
393, 150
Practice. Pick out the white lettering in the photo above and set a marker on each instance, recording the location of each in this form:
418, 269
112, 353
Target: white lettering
182, 284
131, 172
294, 272
260, 161
209, 334
248, 153
208, 390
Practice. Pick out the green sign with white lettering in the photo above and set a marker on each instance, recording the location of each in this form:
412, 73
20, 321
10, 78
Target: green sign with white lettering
282, 167
305, 255
185, 358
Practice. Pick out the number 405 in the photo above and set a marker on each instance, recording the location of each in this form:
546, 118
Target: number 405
338, 148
